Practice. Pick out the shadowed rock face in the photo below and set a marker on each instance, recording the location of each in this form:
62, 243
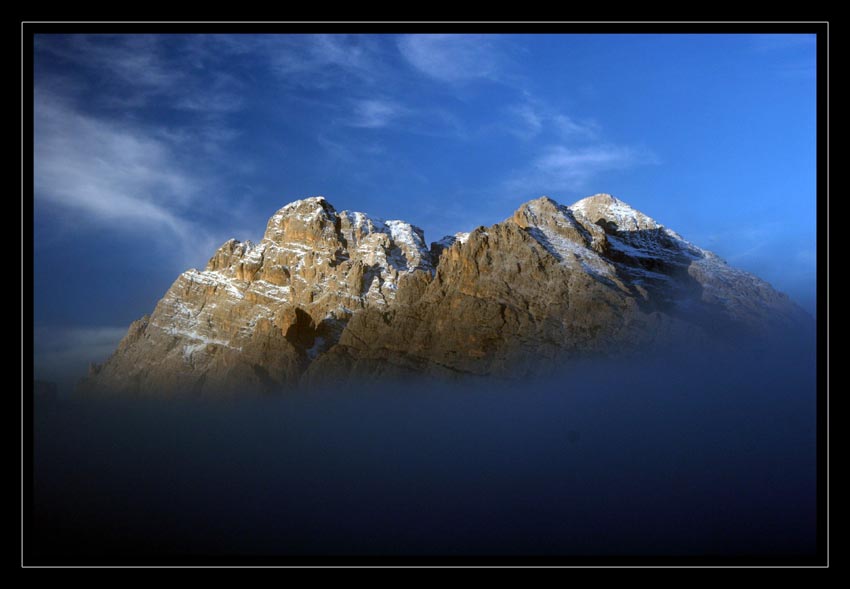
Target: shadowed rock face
328, 295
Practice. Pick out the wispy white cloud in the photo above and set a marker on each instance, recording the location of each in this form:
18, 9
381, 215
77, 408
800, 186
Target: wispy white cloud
566, 168
569, 127
571, 153
527, 121
452, 58
210, 138
319, 61
105, 171
532, 118
103, 175
137, 70
137, 60
218, 93
375, 113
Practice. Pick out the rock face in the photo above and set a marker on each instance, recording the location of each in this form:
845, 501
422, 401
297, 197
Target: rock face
328, 295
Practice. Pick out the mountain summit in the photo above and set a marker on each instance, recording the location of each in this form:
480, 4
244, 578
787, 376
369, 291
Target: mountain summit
337, 295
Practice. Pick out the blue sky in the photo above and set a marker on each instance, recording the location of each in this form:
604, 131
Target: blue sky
150, 151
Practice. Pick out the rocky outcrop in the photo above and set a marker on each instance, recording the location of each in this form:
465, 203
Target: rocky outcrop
327, 296
258, 314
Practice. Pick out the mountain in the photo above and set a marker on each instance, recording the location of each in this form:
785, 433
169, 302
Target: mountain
328, 296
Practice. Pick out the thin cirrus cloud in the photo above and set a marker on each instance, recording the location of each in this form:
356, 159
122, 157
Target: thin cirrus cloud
219, 93
137, 60
140, 70
105, 172
572, 152
452, 58
375, 113
528, 122
319, 61
571, 168
531, 118
576, 153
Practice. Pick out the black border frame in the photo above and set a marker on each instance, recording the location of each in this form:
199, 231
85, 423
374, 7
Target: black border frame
819, 28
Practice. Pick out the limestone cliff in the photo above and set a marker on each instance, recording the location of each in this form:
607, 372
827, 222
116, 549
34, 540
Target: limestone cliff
328, 295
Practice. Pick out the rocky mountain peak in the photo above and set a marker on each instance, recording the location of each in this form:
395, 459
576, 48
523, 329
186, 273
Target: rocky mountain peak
342, 294
310, 221
540, 211
307, 206
613, 214
558, 230
305, 210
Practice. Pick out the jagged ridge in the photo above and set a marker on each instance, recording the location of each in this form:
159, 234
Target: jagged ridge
340, 295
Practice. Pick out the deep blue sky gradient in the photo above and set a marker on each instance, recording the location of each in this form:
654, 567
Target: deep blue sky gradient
150, 151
